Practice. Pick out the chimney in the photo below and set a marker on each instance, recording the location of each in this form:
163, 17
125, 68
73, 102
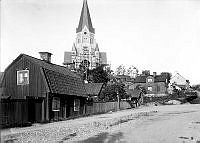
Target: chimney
45, 56
154, 74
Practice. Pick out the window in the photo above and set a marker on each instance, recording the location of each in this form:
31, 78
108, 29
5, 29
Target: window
76, 104
22, 77
79, 40
91, 41
85, 40
56, 104
149, 88
149, 80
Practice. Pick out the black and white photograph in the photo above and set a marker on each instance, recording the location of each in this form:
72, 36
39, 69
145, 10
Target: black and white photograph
100, 71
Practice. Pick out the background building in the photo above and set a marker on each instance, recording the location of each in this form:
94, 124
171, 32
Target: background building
85, 49
153, 84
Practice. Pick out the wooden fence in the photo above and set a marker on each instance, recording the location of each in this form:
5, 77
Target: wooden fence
97, 108
13, 113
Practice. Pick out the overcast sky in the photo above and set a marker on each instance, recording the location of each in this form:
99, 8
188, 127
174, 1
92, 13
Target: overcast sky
156, 35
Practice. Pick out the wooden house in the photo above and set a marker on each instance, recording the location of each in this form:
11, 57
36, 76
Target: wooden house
38, 91
1, 88
155, 85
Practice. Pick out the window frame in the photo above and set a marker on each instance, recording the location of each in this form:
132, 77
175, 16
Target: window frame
22, 72
150, 88
56, 104
149, 80
77, 104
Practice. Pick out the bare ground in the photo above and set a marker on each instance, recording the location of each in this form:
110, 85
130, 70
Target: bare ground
174, 123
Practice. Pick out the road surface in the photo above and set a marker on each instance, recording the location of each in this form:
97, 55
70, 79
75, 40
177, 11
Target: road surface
171, 124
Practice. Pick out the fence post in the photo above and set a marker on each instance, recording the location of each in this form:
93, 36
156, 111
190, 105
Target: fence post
118, 100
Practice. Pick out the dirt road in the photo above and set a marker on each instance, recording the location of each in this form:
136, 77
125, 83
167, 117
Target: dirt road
147, 124
175, 123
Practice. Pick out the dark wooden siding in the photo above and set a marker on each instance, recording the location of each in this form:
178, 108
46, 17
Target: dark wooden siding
36, 86
66, 107
157, 87
13, 113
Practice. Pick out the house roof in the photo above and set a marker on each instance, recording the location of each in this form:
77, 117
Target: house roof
1, 77
122, 76
157, 78
67, 58
60, 79
60, 83
85, 19
93, 88
140, 79
160, 78
178, 79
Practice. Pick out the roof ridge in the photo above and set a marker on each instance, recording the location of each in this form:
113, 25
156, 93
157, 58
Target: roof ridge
44, 64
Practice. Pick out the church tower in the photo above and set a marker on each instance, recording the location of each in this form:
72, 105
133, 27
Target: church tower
85, 48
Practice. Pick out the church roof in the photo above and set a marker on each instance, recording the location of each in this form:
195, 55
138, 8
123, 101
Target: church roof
67, 57
85, 19
74, 48
103, 57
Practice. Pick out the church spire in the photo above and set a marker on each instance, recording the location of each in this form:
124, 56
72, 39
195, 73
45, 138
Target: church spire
85, 19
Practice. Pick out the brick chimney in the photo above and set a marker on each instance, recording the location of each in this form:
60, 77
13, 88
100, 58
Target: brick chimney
154, 74
45, 56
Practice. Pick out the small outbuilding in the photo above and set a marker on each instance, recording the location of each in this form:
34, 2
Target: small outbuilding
93, 90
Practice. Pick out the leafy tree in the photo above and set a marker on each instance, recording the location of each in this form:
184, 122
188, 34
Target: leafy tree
132, 71
99, 75
146, 72
111, 92
121, 70
167, 75
196, 87
142, 88
83, 69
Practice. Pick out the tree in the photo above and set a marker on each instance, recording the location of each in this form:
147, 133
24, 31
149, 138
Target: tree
132, 71
142, 88
121, 70
196, 87
99, 75
167, 75
146, 72
111, 92
83, 69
